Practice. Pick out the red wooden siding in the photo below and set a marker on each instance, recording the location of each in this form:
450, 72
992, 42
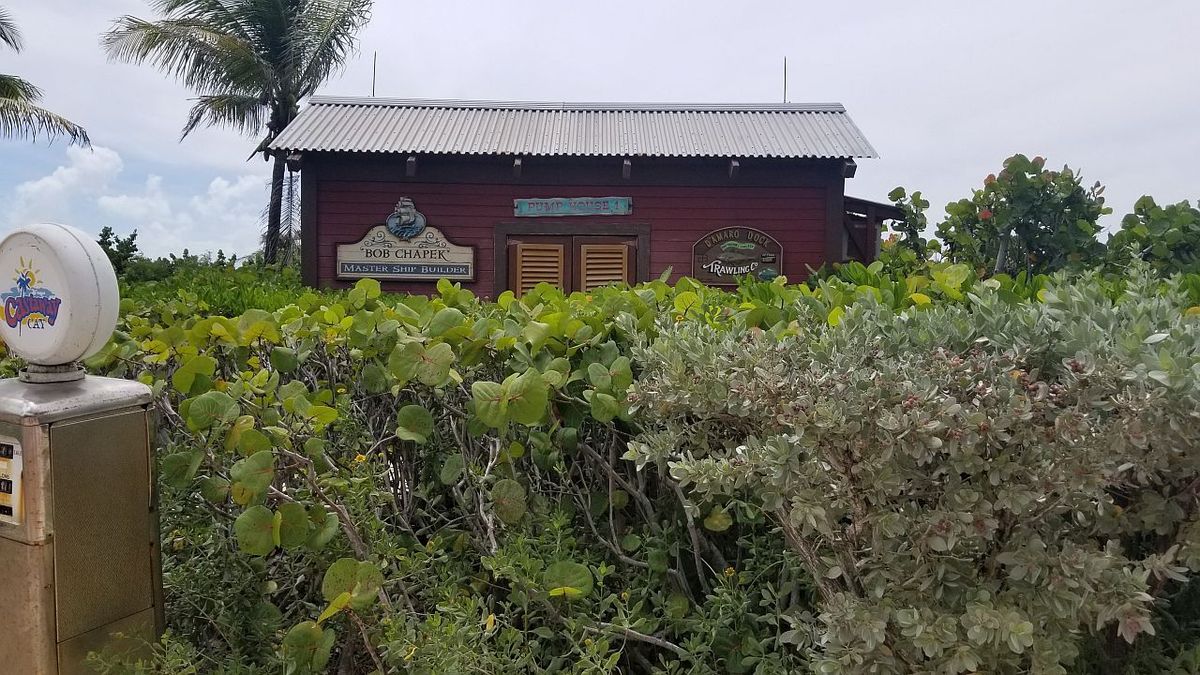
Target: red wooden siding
677, 216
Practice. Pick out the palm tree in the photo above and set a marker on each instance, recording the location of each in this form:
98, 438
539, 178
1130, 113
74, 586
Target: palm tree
250, 63
20, 116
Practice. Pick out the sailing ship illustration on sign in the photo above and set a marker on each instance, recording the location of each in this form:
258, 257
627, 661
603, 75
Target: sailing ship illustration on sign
405, 247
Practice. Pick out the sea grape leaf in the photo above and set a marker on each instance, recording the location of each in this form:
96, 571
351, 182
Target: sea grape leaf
452, 469
253, 441
251, 476
179, 468
621, 373
374, 378
233, 435
491, 405
255, 530
211, 409
604, 407
323, 532
527, 396
444, 320
361, 579
307, 647
433, 366
284, 360
414, 423
196, 370
509, 498
598, 376
567, 579
293, 525
214, 489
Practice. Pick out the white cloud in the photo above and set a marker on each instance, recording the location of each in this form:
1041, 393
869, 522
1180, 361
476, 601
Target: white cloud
241, 198
86, 173
149, 206
87, 191
224, 217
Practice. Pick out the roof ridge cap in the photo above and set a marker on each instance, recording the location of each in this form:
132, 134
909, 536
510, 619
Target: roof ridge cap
568, 106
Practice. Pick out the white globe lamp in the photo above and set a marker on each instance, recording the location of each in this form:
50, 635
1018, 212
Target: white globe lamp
59, 297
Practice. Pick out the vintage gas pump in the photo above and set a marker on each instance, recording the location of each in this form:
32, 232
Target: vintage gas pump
79, 557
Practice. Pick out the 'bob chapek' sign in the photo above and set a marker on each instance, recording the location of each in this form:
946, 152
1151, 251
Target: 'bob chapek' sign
723, 256
405, 248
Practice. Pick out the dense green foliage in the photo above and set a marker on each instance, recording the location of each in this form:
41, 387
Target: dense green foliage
956, 481
1026, 218
1167, 237
353, 481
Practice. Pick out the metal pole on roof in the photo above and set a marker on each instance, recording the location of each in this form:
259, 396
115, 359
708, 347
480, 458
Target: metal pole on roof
374, 62
785, 79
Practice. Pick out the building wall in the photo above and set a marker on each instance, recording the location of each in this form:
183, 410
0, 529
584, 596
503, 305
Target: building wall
680, 202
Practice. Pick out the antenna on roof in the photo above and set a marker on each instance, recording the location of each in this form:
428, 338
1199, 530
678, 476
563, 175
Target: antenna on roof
785, 79
374, 62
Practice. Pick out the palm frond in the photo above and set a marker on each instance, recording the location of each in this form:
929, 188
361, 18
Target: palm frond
329, 38
227, 16
13, 87
195, 53
22, 119
246, 114
9, 34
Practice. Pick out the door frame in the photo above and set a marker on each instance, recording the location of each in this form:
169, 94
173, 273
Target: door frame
569, 227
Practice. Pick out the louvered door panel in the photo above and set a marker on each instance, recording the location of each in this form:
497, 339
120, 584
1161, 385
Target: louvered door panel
603, 264
537, 263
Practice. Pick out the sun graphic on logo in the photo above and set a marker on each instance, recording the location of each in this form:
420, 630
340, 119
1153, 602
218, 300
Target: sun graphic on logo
27, 277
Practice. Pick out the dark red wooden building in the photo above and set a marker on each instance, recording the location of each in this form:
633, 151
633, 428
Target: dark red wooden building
506, 195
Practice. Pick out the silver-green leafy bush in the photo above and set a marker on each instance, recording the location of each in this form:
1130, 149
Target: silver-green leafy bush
970, 486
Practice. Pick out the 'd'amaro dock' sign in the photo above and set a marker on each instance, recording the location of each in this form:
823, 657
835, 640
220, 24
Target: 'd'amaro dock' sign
406, 248
723, 256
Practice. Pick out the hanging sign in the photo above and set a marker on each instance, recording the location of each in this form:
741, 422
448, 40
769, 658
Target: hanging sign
573, 206
722, 257
405, 248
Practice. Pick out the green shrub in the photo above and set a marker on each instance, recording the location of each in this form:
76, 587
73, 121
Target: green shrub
969, 487
435, 485
355, 482
1167, 237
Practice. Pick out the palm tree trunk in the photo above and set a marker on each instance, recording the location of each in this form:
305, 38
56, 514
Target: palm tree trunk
1001, 255
274, 212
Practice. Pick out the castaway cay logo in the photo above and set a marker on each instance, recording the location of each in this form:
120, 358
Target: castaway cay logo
29, 304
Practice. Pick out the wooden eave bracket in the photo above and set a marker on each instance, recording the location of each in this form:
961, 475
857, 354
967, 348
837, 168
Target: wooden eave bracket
410, 166
626, 168
517, 167
734, 167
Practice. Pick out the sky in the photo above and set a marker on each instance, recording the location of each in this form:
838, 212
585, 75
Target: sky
944, 90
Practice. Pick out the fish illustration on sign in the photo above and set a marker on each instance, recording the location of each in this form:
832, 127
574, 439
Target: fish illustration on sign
406, 222
724, 256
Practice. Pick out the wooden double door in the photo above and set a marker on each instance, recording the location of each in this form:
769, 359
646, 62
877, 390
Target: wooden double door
570, 262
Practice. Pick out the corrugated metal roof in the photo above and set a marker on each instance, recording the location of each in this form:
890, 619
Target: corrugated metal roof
821, 130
